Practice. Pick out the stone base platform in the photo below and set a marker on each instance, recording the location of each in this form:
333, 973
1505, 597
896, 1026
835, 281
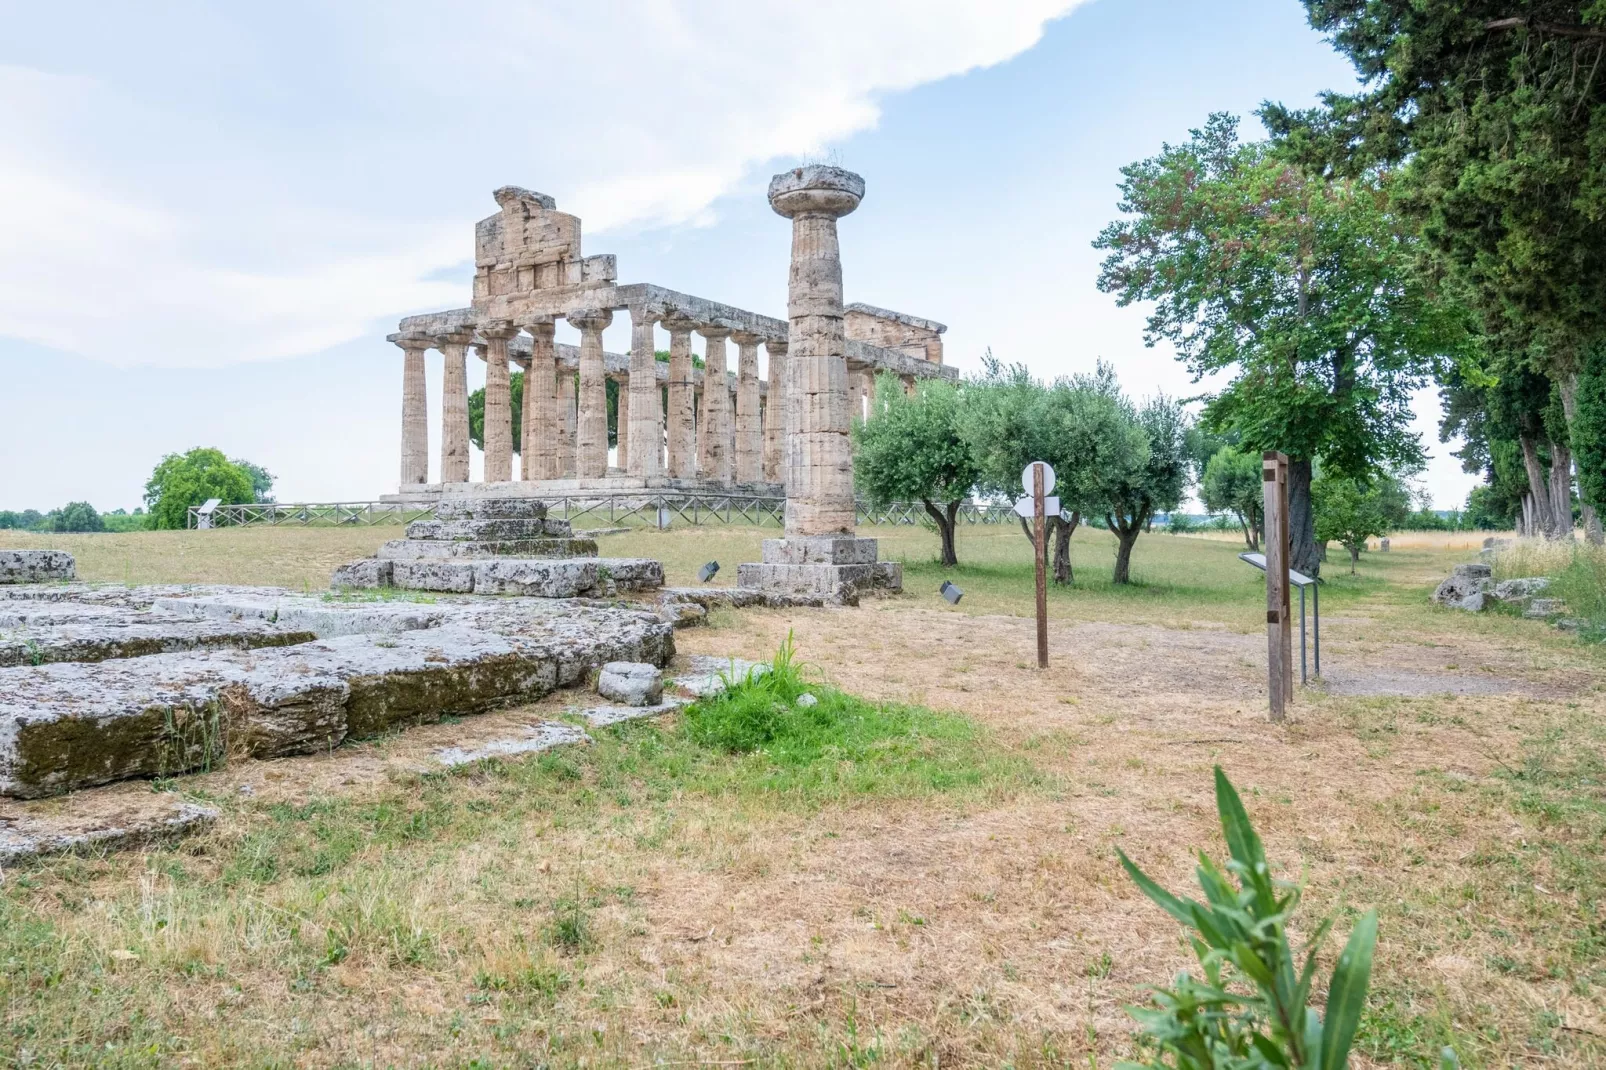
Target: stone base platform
498, 546
839, 568
370, 667
36, 566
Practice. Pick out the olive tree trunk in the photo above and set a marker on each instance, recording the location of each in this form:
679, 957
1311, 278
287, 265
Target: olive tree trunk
945, 519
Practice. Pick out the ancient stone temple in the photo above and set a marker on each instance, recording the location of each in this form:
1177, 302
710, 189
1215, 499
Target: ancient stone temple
676, 426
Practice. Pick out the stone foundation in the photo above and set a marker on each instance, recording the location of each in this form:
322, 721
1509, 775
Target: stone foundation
838, 568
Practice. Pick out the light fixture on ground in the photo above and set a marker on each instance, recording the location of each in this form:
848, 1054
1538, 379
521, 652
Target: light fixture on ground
951, 591
708, 571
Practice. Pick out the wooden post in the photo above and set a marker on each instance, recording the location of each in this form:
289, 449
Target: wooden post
1279, 626
1039, 526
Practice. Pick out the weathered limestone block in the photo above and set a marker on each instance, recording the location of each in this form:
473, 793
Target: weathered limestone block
491, 509
448, 576
323, 619
1464, 587
820, 550
1542, 608
488, 530
535, 578
634, 683
364, 574
36, 566
118, 635
420, 549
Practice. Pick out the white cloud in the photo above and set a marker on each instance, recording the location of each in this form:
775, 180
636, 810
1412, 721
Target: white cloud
191, 191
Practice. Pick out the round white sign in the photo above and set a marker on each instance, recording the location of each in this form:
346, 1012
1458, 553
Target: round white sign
1048, 477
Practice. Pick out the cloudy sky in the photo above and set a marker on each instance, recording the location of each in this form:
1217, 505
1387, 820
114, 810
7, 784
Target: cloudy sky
212, 213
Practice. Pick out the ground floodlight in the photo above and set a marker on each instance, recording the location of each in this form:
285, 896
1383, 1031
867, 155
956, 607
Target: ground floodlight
708, 571
951, 591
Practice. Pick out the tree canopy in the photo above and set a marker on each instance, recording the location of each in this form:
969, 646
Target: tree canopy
185, 479
1232, 484
1303, 286
75, 516
912, 450
1349, 511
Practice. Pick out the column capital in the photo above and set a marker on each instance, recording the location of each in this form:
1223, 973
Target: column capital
461, 337
714, 334
816, 190
648, 313
589, 319
774, 348
746, 338
497, 330
479, 350
536, 325
679, 323
411, 341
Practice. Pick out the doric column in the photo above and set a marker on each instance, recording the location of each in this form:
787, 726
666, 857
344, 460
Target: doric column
715, 436
646, 419
415, 410
541, 430
867, 391
454, 405
621, 423
498, 402
775, 411
591, 431
566, 423
682, 440
819, 478
749, 432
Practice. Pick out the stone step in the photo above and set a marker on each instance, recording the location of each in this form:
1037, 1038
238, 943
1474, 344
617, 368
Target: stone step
573, 577
429, 549
489, 530
112, 635
490, 509
837, 583
72, 725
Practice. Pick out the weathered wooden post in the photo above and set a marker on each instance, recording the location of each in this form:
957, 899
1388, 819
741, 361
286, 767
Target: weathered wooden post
1279, 625
1039, 527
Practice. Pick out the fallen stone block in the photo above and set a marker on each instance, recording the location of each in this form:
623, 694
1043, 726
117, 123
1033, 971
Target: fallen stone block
536, 738
364, 574
36, 566
632, 683
1464, 587
1541, 608
30, 838
707, 675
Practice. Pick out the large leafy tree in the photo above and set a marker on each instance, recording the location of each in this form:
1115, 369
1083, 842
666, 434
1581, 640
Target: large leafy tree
1300, 286
1498, 108
185, 479
912, 450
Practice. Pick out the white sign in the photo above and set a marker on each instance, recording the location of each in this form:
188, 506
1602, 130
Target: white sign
1048, 479
1024, 507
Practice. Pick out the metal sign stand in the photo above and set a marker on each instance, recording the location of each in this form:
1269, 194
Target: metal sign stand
1037, 479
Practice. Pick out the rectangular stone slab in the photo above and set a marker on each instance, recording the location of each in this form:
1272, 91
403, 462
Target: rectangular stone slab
428, 549
111, 635
488, 530
36, 566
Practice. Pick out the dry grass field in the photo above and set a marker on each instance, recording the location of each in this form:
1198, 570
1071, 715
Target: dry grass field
947, 897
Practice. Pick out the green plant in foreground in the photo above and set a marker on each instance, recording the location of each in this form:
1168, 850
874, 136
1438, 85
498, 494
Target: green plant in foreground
1255, 1014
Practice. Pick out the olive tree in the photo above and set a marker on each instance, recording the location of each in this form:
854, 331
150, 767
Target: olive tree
1232, 484
912, 450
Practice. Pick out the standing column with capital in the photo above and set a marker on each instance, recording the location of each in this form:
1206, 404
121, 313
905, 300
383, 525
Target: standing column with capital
682, 393
541, 432
415, 410
646, 419
714, 433
591, 431
820, 554
775, 412
621, 424
498, 402
454, 405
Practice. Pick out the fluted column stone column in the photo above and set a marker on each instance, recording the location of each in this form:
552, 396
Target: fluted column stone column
819, 478
646, 418
498, 402
591, 430
681, 433
749, 432
867, 392
566, 423
775, 411
541, 430
714, 436
415, 410
454, 405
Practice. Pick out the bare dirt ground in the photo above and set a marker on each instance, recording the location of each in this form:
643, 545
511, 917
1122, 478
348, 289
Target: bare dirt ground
1446, 770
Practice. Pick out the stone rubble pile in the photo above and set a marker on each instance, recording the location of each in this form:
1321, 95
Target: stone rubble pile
1471, 587
498, 546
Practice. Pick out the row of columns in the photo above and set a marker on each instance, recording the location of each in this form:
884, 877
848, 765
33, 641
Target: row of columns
565, 429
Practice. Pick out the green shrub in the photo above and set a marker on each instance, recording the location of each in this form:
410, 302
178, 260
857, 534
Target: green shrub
1250, 1009
183, 480
75, 516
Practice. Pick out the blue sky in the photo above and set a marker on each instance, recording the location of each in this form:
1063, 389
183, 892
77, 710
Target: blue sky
211, 215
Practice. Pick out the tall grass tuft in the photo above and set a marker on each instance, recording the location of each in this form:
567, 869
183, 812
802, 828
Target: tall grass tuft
1577, 573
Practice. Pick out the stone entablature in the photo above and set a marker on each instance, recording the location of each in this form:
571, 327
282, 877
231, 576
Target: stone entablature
897, 331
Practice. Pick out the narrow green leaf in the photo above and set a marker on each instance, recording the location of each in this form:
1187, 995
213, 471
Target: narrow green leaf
1166, 901
1346, 994
1242, 842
